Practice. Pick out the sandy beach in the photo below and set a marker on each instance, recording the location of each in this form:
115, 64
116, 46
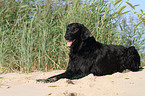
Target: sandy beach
118, 84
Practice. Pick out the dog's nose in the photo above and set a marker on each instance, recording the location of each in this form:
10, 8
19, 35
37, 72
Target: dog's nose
66, 36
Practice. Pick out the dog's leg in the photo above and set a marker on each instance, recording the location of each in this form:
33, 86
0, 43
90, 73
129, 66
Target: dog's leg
54, 78
77, 75
51, 79
68, 75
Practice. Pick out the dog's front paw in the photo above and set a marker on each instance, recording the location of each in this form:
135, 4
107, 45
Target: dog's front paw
42, 80
49, 80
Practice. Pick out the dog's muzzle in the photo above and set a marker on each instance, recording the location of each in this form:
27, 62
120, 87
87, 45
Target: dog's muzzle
69, 43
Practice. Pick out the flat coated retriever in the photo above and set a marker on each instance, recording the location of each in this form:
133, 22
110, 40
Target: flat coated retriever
89, 56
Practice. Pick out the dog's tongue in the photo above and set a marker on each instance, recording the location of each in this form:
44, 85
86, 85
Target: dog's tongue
69, 43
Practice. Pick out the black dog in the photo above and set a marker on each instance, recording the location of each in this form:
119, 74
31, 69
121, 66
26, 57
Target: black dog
89, 56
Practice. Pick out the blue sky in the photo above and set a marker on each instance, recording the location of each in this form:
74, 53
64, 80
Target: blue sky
136, 2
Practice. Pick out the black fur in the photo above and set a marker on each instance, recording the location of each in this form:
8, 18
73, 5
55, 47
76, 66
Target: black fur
89, 56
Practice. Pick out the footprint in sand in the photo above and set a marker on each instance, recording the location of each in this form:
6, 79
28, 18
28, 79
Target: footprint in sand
4, 86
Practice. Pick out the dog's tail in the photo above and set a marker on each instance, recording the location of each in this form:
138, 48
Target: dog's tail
133, 59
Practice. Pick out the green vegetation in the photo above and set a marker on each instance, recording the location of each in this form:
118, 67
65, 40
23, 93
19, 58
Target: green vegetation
32, 31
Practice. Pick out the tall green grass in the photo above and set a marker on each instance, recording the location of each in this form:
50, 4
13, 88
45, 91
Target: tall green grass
32, 32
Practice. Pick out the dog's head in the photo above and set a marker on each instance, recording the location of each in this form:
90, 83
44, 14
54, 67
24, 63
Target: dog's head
76, 31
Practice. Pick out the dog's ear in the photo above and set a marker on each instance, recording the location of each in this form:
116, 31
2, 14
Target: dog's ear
84, 32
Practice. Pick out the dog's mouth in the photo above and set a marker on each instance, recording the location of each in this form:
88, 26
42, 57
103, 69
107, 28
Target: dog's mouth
69, 43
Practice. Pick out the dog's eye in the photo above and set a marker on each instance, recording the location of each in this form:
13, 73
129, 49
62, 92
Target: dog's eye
75, 29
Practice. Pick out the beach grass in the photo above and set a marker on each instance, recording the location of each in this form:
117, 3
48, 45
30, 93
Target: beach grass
32, 32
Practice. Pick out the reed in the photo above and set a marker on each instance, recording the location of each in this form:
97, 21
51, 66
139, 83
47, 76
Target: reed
32, 32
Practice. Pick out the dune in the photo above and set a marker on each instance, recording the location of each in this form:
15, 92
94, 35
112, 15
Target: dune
118, 84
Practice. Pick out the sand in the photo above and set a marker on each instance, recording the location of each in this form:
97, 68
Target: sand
118, 84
